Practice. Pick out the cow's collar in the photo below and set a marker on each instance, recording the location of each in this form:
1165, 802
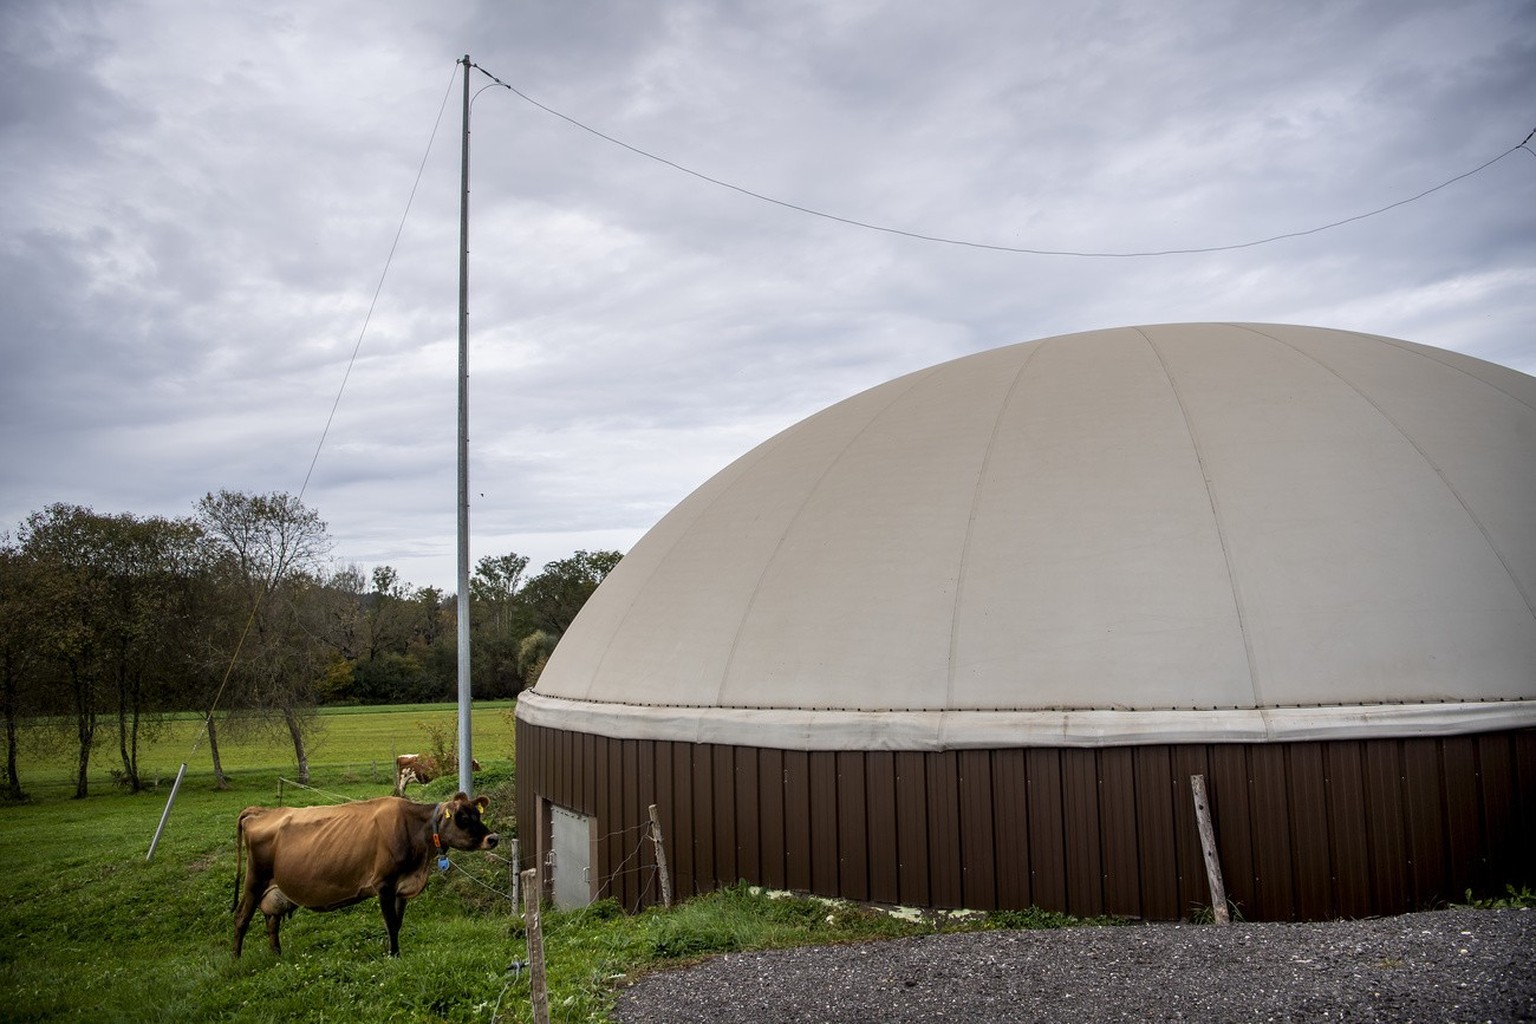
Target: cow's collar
439, 814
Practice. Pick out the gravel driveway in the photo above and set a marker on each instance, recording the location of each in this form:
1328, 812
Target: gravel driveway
1449, 965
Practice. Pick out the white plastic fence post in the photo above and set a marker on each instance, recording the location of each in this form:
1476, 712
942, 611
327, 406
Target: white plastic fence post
166, 814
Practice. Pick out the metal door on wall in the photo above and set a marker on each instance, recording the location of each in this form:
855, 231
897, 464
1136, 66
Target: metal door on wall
571, 836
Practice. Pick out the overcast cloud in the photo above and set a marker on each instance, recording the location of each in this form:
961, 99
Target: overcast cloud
198, 202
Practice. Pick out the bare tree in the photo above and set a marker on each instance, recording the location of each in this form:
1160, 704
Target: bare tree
278, 545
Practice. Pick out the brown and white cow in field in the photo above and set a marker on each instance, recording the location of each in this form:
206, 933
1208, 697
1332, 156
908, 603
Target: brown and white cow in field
421, 768
325, 858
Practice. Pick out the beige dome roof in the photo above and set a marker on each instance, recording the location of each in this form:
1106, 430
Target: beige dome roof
1189, 531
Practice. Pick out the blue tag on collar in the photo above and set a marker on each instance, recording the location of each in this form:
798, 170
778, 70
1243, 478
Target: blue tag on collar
442, 863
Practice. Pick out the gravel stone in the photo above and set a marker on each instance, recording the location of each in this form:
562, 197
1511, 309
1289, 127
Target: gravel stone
1437, 966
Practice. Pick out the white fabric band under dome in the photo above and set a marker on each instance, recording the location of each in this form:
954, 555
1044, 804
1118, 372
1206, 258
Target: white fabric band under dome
821, 729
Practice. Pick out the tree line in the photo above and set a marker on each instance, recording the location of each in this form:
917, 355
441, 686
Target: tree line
108, 623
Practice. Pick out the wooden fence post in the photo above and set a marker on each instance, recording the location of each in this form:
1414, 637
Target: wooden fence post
1208, 846
661, 858
537, 989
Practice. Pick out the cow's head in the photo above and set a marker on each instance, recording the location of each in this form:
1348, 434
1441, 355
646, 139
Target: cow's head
460, 826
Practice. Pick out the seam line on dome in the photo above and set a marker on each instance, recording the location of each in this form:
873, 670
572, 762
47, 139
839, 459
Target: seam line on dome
970, 523
1221, 533
1436, 356
913, 380
1445, 481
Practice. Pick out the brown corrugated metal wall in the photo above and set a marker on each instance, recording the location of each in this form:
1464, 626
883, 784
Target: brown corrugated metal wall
1305, 830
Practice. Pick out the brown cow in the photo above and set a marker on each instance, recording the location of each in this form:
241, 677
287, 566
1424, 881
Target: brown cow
422, 768
325, 858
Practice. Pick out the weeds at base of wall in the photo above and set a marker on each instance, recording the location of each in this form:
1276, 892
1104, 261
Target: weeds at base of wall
1523, 898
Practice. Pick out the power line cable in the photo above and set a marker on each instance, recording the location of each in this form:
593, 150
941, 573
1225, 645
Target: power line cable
941, 239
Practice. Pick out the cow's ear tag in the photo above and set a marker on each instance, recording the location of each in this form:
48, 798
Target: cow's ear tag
442, 863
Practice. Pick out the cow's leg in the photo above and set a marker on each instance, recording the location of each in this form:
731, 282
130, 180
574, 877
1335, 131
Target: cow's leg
276, 907
250, 897
243, 914
274, 924
393, 906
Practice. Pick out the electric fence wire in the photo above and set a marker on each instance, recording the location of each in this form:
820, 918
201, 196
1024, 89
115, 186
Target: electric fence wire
944, 240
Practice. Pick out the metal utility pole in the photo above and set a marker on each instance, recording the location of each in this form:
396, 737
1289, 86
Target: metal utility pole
466, 754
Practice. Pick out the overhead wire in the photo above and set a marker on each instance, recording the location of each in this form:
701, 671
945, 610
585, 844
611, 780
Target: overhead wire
970, 244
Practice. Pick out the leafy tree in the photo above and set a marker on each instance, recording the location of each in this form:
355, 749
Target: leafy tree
381, 640
533, 653
495, 626
152, 567
551, 599
106, 596
18, 655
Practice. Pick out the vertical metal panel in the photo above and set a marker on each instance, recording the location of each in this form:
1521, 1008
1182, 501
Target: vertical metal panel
824, 854
1120, 835
944, 865
1496, 779
1349, 840
1270, 813
1194, 889
978, 847
612, 839
726, 871
1523, 831
852, 827
1384, 826
558, 790
1080, 805
547, 762
749, 816
1228, 783
666, 807
1463, 815
880, 803
705, 878
1423, 795
1047, 842
649, 889
570, 794
797, 819
585, 775
770, 801
678, 762
912, 828
631, 844
1010, 831
1157, 846
1307, 797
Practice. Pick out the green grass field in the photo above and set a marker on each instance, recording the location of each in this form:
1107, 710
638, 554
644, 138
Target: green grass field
94, 932
351, 741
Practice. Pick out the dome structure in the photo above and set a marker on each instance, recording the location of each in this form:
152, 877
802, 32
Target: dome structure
1209, 530
967, 639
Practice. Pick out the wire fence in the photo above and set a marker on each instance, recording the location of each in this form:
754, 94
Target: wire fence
636, 839
634, 842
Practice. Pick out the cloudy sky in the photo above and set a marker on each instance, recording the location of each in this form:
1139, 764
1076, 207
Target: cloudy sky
199, 202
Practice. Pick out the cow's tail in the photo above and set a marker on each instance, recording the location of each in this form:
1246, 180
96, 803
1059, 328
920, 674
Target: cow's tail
239, 859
